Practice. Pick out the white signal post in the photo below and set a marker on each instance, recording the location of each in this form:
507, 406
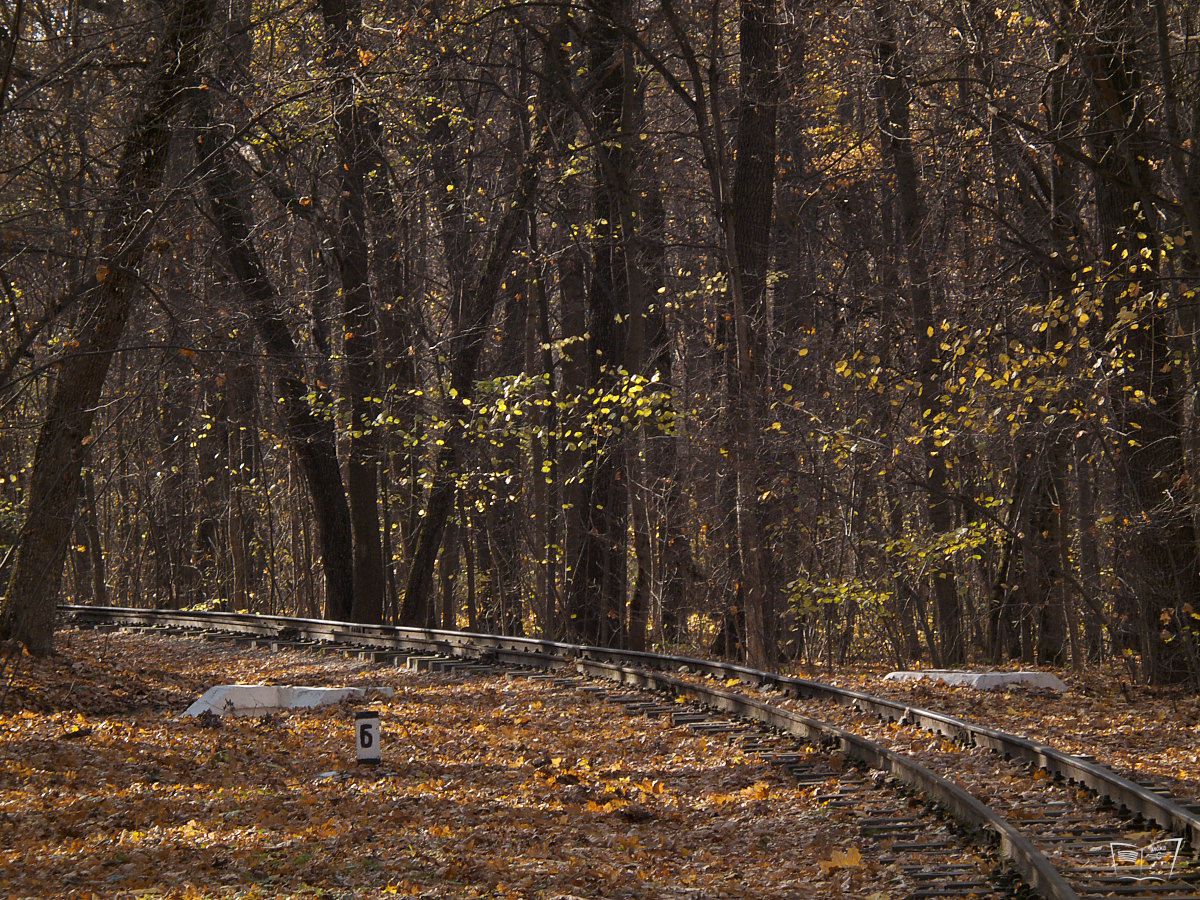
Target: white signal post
366, 736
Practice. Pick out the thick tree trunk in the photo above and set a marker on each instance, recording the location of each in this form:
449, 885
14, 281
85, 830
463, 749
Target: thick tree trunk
1089, 554
1041, 527
596, 592
213, 473
241, 388
343, 19
1156, 547
1048, 527
650, 453
448, 575
54, 489
751, 217
171, 511
565, 247
503, 517
310, 435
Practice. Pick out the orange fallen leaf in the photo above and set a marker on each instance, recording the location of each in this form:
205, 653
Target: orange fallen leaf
842, 859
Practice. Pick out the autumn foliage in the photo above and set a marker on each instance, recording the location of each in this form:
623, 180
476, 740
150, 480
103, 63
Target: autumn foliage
778, 329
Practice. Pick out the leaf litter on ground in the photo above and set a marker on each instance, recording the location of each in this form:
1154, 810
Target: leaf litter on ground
488, 788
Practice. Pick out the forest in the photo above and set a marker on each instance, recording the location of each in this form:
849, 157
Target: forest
780, 330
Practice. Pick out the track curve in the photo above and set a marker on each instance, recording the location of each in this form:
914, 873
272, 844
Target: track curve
652, 671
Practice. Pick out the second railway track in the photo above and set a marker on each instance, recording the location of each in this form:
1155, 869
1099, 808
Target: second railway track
1052, 816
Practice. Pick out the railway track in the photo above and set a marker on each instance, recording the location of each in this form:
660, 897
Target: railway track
1051, 815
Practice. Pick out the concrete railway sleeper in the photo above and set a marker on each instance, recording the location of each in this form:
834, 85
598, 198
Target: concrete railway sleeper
1060, 850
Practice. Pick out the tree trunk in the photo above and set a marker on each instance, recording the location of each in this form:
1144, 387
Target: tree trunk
343, 19
570, 266
751, 217
596, 592
448, 575
546, 467
896, 139
1156, 548
29, 612
464, 349
309, 434
399, 315
95, 548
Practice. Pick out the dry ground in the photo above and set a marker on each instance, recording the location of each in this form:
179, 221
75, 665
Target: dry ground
489, 788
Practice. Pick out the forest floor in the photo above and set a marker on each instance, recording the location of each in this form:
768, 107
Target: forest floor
1132, 728
488, 787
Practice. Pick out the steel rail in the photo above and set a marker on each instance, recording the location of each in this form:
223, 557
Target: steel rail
1133, 797
1035, 868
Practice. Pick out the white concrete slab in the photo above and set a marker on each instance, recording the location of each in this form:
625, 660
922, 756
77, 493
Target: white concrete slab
983, 681
260, 699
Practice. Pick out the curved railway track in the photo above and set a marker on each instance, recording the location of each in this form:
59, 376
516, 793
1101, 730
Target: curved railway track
1055, 835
